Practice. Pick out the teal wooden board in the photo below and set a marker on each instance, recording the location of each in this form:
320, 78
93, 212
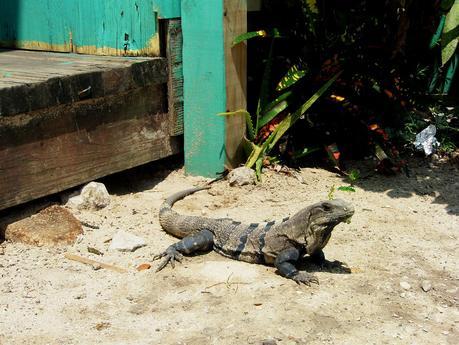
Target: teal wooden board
204, 86
168, 9
85, 25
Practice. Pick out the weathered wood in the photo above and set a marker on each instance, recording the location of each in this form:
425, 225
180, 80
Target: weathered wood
66, 119
235, 23
174, 43
35, 80
116, 27
52, 149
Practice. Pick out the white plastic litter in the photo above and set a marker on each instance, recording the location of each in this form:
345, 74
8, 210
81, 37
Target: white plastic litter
426, 141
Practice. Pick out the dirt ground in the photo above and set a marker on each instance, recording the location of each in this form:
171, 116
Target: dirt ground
404, 233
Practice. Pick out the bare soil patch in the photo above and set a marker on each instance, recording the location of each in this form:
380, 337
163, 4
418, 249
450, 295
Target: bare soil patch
404, 233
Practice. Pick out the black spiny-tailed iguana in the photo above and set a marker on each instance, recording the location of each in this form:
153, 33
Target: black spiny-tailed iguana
274, 243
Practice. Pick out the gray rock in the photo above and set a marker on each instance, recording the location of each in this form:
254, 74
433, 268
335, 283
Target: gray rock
426, 285
269, 342
126, 242
93, 196
241, 176
405, 285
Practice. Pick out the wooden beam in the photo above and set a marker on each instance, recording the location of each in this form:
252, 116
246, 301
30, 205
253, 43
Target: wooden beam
235, 23
64, 146
174, 43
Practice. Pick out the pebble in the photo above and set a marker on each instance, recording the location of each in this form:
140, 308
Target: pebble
93, 196
426, 285
269, 342
96, 267
126, 242
405, 285
241, 176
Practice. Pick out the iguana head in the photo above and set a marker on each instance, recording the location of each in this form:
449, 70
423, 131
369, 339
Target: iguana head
323, 217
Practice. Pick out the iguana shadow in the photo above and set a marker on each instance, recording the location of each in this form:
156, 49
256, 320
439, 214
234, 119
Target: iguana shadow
336, 267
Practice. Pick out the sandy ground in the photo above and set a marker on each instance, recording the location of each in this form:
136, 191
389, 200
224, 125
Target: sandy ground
405, 230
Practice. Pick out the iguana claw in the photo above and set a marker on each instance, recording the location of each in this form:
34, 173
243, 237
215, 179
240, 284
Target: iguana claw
305, 278
170, 256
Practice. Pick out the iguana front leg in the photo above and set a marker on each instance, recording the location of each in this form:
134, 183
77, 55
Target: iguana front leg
284, 264
201, 241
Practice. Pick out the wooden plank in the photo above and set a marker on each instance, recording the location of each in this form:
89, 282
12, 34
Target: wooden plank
47, 80
235, 23
174, 43
116, 27
49, 150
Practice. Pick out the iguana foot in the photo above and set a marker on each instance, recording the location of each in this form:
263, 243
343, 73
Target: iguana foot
170, 256
305, 278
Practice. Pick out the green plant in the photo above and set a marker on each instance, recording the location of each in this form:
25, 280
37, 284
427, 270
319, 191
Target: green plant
447, 37
257, 146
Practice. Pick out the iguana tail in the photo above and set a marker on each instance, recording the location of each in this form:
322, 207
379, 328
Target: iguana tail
175, 223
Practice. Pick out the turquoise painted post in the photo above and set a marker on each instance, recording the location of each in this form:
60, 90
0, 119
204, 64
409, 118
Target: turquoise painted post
204, 86
167, 9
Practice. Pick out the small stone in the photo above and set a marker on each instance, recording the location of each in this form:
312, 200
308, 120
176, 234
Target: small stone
126, 242
96, 267
138, 309
2, 251
93, 196
405, 285
241, 176
426, 285
269, 342
54, 225
445, 332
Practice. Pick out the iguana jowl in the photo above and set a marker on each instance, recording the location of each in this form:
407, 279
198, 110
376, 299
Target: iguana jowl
274, 243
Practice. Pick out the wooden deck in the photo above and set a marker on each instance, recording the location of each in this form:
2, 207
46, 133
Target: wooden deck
66, 119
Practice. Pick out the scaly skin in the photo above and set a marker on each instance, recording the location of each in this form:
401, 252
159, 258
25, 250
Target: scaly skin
273, 243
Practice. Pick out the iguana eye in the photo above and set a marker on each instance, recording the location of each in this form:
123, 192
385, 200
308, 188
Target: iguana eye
326, 207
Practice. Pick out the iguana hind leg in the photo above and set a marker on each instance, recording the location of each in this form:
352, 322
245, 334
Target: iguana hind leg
288, 270
201, 241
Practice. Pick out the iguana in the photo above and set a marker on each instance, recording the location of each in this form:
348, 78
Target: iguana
274, 243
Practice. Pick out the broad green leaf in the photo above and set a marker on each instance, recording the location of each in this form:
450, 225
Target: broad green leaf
437, 34
254, 156
452, 68
248, 35
291, 77
450, 35
248, 120
276, 101
272, 113
287, 122
269, 112
252, 34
